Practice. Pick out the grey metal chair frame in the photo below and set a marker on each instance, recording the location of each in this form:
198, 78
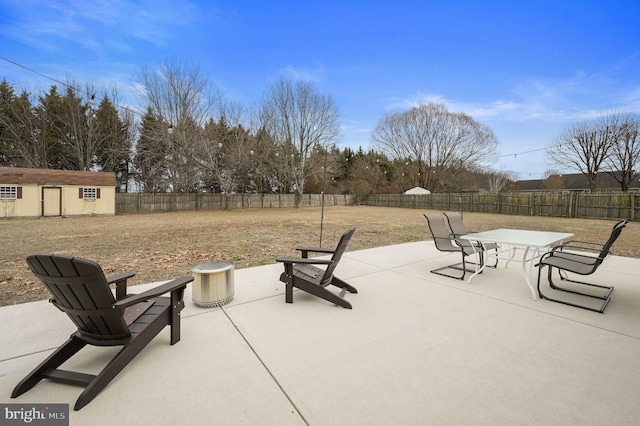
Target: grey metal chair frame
458, 229
445, 242
571, 257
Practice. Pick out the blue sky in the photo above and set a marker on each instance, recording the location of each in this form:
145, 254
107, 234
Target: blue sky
524, 68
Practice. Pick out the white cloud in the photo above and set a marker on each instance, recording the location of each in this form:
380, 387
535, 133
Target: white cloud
316, 74
580, 96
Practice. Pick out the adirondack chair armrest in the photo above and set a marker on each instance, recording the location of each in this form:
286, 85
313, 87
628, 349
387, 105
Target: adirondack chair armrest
120, 280
178, 283
304, 260
306, 250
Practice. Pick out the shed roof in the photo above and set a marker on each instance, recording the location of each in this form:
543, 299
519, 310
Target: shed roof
18, 175
417, 190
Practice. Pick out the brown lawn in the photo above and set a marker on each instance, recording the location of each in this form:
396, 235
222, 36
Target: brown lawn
161, 246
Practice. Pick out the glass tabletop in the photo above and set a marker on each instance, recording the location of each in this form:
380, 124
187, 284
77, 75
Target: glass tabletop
519, 237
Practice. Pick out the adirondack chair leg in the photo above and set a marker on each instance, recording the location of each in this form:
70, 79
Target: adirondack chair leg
118, 363
323, 293
287, 278
53, 361
289, 292
343, 285
177, 304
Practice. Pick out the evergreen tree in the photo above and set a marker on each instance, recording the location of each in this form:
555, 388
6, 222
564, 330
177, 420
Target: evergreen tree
114, 149
150, 158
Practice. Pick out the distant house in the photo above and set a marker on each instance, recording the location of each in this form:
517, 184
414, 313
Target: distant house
417, 191
572, 182
43, 192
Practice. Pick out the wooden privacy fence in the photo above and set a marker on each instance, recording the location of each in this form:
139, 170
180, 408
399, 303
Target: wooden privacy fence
572, 205
611, 205
144, 203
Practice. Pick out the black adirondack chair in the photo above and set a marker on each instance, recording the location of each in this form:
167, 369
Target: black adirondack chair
458, 229
80, 289
573, 256
445, 242
303, 274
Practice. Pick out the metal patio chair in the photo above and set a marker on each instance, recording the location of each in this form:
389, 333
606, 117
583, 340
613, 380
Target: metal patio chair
445, 242
582, 258
458, 229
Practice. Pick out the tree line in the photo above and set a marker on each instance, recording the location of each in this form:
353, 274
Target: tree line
190, 137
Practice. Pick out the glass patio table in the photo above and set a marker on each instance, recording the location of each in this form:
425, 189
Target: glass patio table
531, 243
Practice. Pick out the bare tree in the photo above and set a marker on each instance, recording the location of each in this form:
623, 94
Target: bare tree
625, 151
437, 143
299, 119
553, 180
227, 151
500, 180
584, 146
180, 96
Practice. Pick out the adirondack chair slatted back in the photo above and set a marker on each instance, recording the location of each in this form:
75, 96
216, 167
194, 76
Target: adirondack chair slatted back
441, 235
79, 288
337, 255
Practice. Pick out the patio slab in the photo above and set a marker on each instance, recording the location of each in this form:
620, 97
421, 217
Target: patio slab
417, 348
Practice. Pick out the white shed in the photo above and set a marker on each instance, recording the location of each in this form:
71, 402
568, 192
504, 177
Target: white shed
417, 191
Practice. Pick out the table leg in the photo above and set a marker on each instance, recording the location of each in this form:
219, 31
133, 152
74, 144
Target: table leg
478, 270
527, 273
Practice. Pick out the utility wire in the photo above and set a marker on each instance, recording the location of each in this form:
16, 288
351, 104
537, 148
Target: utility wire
515, 154
126, 108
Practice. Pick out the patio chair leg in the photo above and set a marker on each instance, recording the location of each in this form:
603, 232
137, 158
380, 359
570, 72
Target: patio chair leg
455, 266
605, 298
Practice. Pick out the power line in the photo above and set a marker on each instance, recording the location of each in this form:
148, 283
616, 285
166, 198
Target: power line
89, 95
515, 154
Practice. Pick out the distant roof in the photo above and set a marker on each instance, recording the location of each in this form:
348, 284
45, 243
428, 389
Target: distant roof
18, 175
417, 190
571, 182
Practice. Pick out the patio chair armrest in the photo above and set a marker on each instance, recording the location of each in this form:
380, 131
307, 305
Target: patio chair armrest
306, 250
171, 286
579, 245
120, 280
475, 245
575, 257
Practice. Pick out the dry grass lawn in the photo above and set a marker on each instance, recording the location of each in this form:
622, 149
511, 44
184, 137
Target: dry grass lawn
161, 246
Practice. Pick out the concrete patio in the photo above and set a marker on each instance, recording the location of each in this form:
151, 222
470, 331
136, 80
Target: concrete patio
417, 348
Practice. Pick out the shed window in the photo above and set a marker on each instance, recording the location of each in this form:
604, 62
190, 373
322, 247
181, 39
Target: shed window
10, 192
90, 193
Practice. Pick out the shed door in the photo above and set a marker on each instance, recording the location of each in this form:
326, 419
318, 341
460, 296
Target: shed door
51, 201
